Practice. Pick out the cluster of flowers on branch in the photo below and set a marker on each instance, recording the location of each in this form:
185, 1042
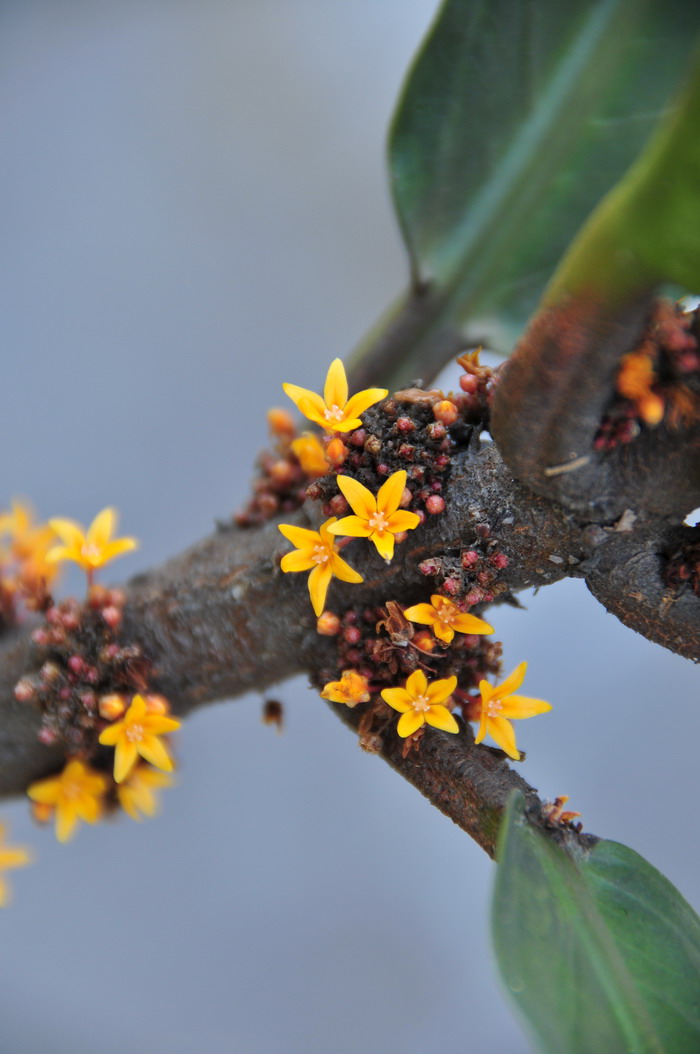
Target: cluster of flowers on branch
91, 687
384, 518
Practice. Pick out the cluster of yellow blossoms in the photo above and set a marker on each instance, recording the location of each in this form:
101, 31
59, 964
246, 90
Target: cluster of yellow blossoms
29, 559
380, 519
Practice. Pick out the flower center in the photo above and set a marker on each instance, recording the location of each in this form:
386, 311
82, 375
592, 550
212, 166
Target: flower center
494, 708
90, 552
134, 733
71, 790
319, 554
333, 413
445, 613
421, 703
378, 521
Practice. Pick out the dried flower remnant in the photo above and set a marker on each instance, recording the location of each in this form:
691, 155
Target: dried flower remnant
93, 548
137, 794
635, 382
76, 794
11, 857
351, 689
334, 412
499, 706
315, 551
138, 733
446, 618
377, 518
422, 703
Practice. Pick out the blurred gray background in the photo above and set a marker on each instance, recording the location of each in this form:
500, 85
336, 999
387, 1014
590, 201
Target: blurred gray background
194, 208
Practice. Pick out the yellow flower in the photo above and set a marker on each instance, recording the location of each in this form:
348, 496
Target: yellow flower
316, 550
92, 548
137, 793
334, 412
635, 381
446, 618
137, 733
419, 703
499, 707
30, 543
74, 795
310, 454
9, 859
378, 519
351, 689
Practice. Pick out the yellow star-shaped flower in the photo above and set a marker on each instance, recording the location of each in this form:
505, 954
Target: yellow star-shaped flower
137, 795
29, 545
92, 548
138, 733
446, 618
76, 794
334, 412
420, 703
315, 551
351, 689
10, 858
499, 706
378, 519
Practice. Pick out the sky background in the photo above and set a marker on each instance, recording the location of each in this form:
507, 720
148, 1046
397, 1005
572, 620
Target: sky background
194, 208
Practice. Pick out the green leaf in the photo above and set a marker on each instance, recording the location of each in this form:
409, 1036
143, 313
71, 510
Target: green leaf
600, 952
514, 121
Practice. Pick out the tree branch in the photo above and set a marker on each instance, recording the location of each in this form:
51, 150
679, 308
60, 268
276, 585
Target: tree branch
221, 619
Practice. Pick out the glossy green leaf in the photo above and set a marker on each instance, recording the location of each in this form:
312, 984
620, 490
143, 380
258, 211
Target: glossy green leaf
514, 121
598, 949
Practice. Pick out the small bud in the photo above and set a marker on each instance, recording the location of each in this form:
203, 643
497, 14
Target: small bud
338, 505
283, 473
436, 431
373, 445
352, 635
406, 451
47, 736
281, 423
451, 586
469, 383
336, 452
111, 707
328, 624
76, 664
405, 424
424, 640
430, 567
358, 437
42, 813
469, 558
446, 412
371, 743
435, 505
157, 704
112, 616
499, 560
24, 690
49, 672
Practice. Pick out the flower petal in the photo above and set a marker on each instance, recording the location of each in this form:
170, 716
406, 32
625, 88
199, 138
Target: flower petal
518, 706
125, 755
424, 614
464, 623
351, 527
299, 560
110, 736
438, 691
300, 537
66, 819
319, 580
511, 683
384, 541
416, 684
153, 750
443, 632
360, 499
117, 547
157, 725
304, 396
357, 404
45, 792
70, 532
398, 698
440, 717
403, 520
342, 570
410, 722
335, 390
102, 528
88, 808
390, 493
503, 733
